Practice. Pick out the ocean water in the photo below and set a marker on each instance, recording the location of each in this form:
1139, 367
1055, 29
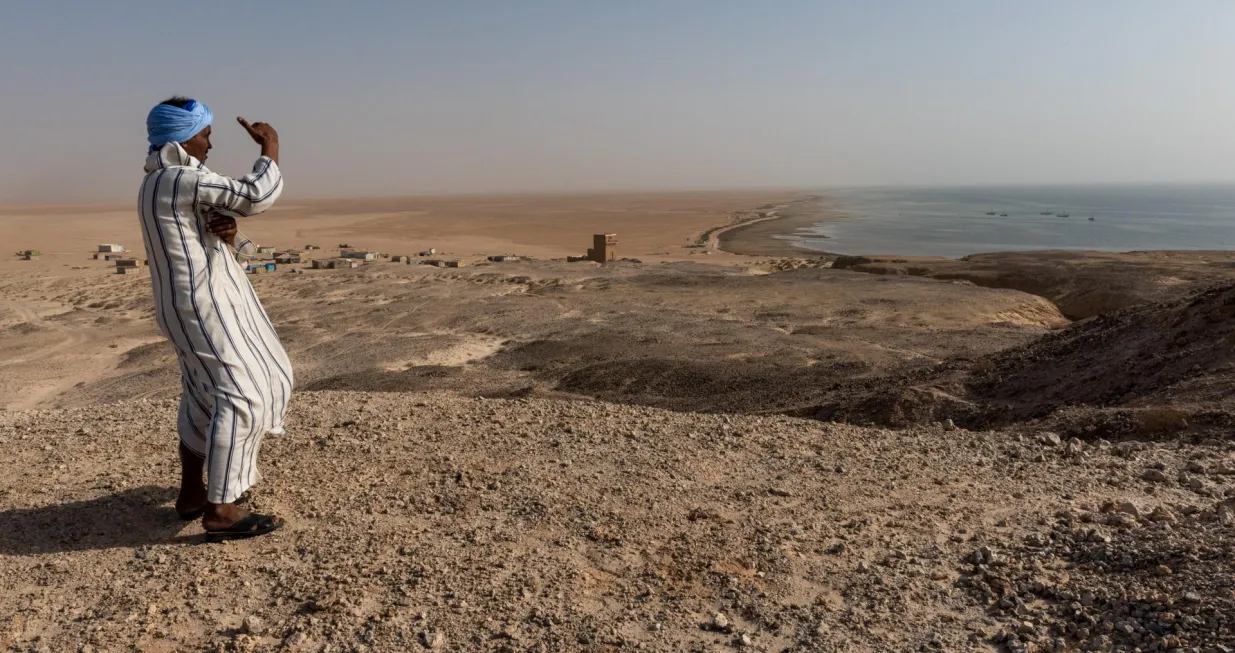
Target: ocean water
953, 222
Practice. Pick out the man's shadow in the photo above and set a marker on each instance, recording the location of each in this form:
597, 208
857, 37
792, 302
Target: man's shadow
137, 517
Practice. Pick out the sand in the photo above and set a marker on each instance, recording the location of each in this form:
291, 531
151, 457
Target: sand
552, 456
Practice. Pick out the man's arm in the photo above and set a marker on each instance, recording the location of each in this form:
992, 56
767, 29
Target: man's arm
254, 192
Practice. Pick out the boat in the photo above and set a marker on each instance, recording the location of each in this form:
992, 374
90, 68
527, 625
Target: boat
990, 213
1091, 218
1065, 215
1047, 213
1003, 215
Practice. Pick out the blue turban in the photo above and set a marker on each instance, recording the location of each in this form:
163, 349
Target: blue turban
170, 124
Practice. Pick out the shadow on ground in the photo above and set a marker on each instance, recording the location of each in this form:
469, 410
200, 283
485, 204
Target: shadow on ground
137, 517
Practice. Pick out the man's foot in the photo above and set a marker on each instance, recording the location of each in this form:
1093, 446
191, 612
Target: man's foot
227, 521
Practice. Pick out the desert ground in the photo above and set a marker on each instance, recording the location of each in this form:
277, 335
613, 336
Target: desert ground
688, 449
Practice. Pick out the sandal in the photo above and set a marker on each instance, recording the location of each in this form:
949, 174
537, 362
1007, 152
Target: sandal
250, 526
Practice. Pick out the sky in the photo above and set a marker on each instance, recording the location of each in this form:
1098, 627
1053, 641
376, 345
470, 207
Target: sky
458, 96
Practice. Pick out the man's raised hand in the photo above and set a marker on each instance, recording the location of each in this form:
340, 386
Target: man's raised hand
261, 132
264, 135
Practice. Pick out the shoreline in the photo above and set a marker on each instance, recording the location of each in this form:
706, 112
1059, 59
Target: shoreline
758, 237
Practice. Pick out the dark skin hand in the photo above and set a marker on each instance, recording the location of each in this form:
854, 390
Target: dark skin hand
224, 227
264, 135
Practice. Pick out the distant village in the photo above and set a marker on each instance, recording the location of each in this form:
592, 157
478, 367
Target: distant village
270, 259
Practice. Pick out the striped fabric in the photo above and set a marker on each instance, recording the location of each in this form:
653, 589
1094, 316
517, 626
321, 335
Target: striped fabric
235, 375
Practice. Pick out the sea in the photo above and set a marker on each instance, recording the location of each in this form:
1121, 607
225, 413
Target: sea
954, 222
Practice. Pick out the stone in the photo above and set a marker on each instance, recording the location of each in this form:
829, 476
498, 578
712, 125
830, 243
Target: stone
1196, 484
254, 625
1155, 476
433, 640
1050, 439
949, 425
745, 640
720, 621
1162, 514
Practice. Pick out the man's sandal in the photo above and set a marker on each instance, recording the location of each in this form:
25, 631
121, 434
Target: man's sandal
251, 526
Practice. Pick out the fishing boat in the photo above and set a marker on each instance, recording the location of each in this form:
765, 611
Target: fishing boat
1065, 215
1003, 215
990, 213
1047, 213
1091, 218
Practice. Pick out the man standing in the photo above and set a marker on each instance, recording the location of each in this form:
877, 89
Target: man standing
235, 375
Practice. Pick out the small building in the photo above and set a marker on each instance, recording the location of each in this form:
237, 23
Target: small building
111, 248
363, 256
604, 248
311, 247
261, 268
286, 258
335, 264
504, 259
344, 246
399, 259
266, 250
29, 252
428, 252
132, 270
130, 263
456, 263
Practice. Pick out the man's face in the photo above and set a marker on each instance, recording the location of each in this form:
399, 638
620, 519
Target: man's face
199, 146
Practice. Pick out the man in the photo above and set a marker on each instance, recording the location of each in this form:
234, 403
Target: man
235, 376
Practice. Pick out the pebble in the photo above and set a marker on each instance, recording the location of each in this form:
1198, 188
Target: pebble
432, 639
1155, 476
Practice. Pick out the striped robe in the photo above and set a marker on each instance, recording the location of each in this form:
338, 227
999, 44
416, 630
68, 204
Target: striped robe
235, 375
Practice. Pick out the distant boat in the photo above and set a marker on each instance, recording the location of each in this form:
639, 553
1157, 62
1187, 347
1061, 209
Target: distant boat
1091, 218
1003, 215
1065, 215
1047, 213
990, 213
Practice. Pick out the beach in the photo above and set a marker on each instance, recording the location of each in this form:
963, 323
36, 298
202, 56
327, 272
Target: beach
682, 449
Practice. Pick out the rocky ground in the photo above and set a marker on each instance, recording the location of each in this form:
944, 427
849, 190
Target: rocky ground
430, 521
1162, 370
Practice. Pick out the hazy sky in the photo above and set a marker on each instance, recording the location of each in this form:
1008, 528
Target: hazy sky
464, 95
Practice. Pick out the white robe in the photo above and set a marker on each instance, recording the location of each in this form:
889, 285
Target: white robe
236, 377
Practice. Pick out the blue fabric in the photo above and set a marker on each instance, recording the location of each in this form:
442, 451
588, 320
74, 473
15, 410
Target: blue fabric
168, 124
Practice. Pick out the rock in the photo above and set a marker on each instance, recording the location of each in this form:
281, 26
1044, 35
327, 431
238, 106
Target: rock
1196, 484
1050, 439
1163, 514
984, 556
1197, 467
745, 640
1128, 508
254, 625
296, 638
949, 425
1224, 468
1155, 476
720, 621
1075, 447
432, 639
1164, 570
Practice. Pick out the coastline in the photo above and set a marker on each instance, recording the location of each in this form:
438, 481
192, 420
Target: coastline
758, 237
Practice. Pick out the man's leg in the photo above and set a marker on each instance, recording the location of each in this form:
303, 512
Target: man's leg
235, 438
190, 423
192, 487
